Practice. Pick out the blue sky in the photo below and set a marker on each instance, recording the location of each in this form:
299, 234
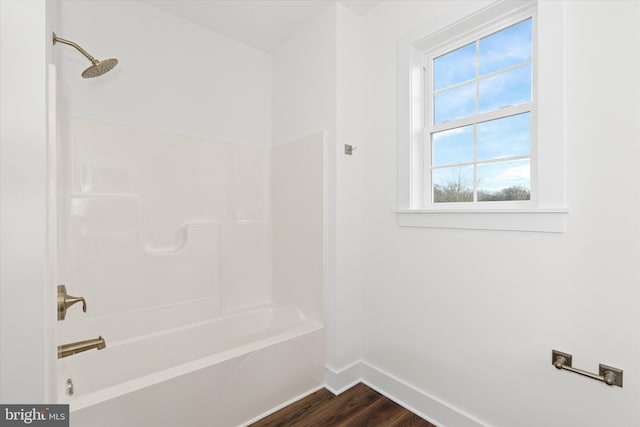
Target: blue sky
503, 49
505, 54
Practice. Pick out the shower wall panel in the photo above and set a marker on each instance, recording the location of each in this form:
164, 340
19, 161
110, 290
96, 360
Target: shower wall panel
299, 223
151, 219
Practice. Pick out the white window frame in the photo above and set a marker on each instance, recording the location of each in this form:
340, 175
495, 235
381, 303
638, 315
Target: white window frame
546, 211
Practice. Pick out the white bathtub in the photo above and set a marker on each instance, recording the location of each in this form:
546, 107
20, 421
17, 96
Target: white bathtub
219, 373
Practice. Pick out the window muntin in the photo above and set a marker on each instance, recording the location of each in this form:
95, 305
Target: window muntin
479, 121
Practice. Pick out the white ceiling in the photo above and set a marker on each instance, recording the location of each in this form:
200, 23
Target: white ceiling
263, 24
360, 7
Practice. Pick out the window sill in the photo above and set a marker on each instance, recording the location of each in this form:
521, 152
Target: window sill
536, 220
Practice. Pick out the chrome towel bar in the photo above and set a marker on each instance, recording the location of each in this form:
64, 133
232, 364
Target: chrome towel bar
607, 374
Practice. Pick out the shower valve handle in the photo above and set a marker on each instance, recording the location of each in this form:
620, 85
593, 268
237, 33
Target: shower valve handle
65, 301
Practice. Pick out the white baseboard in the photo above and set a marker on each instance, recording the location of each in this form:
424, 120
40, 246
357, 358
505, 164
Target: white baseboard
417, 401
344, 379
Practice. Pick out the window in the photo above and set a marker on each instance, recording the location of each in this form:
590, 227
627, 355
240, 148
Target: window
476, 149
478, 133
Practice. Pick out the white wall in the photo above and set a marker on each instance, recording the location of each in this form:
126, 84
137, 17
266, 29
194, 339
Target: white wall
172, 76
471, 317
304, 81
348, 190
24, 307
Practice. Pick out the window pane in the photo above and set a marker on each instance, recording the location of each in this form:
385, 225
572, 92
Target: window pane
454, 67
505, 48
455, 103
452, 146
504, 181
453, 184
509, 88
505, 137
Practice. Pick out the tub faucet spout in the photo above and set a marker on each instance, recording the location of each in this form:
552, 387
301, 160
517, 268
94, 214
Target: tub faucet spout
80, 346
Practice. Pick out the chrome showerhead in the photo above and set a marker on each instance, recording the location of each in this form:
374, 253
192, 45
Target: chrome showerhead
98, 68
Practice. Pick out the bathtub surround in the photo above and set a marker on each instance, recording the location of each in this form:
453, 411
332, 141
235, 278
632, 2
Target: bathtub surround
181, 227
165, 227
147, 206
298, 223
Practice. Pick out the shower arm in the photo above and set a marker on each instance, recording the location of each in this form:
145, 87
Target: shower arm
57, 39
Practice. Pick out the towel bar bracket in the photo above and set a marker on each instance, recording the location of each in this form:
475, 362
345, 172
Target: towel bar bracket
607, 374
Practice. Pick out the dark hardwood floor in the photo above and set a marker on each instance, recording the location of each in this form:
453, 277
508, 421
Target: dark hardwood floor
360, 406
